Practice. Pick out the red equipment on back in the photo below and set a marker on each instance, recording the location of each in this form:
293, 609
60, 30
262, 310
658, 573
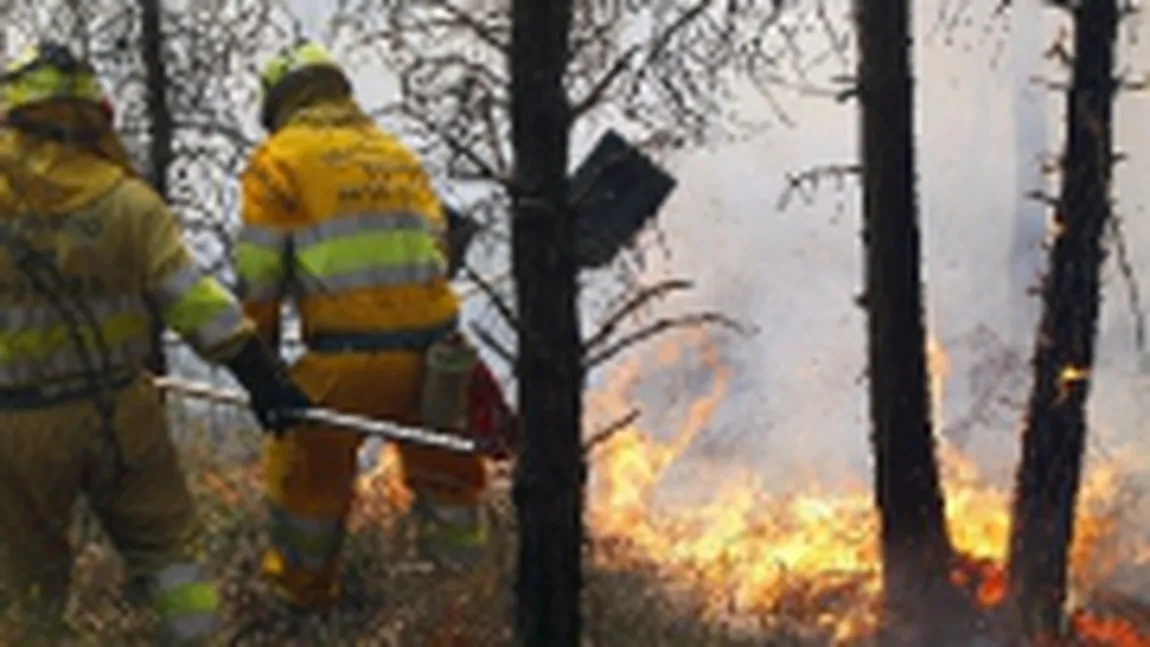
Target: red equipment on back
490, 415
108, 111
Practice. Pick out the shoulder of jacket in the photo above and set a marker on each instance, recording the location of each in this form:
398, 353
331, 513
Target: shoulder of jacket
263, 150
389, 148
280, 149
392, 141
134, 193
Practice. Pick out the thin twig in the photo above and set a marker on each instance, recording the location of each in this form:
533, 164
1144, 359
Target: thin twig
1129, 276
662, 326
797, 183
609, 432
660, 44
632, 305
487, 339
501, 306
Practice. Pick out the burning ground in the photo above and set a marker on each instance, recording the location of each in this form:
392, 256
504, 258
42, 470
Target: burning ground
801, 560
687, 549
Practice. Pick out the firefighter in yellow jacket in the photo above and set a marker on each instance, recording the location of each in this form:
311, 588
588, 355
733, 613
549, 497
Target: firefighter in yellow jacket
342, 218
89, 254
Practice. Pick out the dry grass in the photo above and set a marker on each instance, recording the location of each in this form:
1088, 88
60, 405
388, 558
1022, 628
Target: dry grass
391, 599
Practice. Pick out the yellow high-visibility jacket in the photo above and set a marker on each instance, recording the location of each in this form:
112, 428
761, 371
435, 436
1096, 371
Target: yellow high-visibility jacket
120, 251
341, 216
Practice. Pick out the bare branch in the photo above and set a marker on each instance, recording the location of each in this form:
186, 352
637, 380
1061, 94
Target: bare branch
799, 183
662, 326
631, 306
609, 432
488, 340
458, 147
596, 94
1043, 198
1129, 276
497, 301
483, 32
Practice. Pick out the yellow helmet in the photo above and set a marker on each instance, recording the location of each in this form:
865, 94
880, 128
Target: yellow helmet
291, 68
45, 72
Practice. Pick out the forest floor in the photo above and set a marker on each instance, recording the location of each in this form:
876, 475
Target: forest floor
392, 599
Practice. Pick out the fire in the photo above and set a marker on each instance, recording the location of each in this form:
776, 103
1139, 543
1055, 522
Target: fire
802, 553
801, 559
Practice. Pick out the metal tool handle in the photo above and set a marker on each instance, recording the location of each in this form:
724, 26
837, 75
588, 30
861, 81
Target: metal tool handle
351, 422
388, 430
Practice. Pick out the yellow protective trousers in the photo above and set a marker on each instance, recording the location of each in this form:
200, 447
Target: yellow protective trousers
53, 451
310, 474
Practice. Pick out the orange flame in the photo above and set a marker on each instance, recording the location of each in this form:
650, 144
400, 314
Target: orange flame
803, 554
758, 552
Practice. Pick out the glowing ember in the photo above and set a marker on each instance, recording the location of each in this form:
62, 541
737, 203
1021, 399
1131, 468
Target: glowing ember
1114, 632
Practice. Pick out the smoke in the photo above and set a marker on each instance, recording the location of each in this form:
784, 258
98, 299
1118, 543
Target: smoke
1031, 142
312, 15
798, 403
799, 408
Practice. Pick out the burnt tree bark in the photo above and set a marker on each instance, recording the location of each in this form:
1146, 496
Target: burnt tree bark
1046, 488
916, 549
160, 136
548, 485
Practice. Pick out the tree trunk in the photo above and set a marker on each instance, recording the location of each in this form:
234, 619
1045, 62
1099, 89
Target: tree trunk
1047, 484
915, 547
548, 487
160, 135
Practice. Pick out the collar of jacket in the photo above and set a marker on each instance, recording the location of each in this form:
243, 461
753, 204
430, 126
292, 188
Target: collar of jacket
57, 119
46, 176
328, 113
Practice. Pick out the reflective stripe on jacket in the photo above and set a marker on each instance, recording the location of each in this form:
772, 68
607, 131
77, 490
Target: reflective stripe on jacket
346, 215
120, 256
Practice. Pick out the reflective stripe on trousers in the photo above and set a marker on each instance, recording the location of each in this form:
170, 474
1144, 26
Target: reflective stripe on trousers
451, 535
344, 253
186, 601
460, 525
307, 542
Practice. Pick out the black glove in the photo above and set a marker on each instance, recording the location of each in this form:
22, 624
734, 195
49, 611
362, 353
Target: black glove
273, 394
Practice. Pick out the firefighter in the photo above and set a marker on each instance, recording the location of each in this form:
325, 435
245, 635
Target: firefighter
89, 255
341, 217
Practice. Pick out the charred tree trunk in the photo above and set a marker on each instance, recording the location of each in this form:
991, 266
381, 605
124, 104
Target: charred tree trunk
160, 136
548, 487
1053, 441
915, 545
